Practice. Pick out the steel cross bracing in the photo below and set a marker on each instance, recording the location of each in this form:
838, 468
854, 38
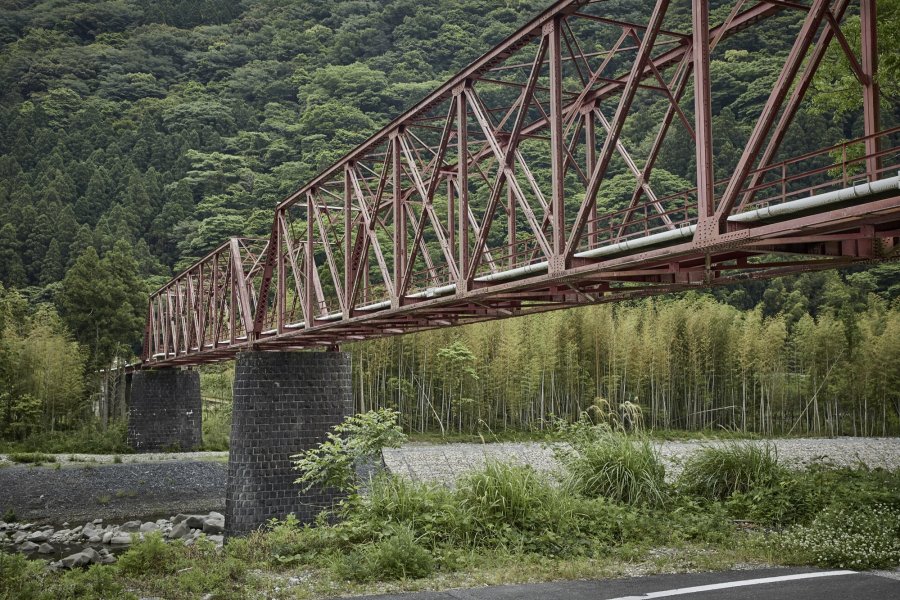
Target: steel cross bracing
481, 202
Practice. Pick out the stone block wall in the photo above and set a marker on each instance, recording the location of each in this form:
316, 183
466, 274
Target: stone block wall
165, 412
284, 402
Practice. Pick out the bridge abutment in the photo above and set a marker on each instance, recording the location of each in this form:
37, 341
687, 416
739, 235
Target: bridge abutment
165, 412
284, 402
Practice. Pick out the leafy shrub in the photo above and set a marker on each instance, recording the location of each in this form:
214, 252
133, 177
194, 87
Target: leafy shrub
789, 501
21, 579
34, 458
431, 512
718, 472
216, 427
397, 556
96, 583
615, 466
866, 537
332, 464
89, 439
152, 555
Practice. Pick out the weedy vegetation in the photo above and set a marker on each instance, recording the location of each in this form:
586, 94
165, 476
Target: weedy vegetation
609, 507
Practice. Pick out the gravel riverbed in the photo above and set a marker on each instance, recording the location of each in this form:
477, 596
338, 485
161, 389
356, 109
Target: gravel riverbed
446, 462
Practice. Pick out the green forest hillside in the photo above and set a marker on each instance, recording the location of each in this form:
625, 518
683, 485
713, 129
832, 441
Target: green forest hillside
137, 135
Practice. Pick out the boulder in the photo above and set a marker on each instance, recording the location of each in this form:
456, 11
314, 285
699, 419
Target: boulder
178, 518
97, 521
179, 531
19, 537
95, 539
92, 554
45, 549
218, 540
148, 527
40, 536
28, 547
195, 521
131, 526
81, 559
213, 526
121, 539
217, 516
107, 537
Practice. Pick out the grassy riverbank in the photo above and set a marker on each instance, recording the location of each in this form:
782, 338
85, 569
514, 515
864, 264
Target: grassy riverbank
608, 512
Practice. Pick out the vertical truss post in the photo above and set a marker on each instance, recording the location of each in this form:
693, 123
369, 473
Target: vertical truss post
557, 145
462, 141
703, 114
451, 219
399, 219
349, 281
511, 225
871, 102
310, 260
590, 159
279, 240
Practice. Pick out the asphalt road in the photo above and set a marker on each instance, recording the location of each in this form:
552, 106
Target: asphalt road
764, 584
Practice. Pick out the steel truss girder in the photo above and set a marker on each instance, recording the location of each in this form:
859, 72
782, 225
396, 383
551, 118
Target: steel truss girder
366, 249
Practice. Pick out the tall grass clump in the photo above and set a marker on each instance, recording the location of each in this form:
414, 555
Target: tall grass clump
606, 455
617, 467
505, 495
719, 472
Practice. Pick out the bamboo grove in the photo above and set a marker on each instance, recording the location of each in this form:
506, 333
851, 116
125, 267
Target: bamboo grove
691, 362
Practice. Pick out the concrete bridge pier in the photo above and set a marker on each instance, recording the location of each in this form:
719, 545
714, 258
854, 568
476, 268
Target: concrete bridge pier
165, 412
284, 402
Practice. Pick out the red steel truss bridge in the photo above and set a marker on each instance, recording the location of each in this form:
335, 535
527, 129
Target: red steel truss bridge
481, 201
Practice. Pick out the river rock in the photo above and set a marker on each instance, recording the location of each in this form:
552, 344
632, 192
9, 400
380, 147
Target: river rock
28, 547
148, 527
97, 521
131, 526
95, 539
121, 539
107, 537
45, 549
81, 559
213, 526
179, 531
195, 521
19, 537
40, 536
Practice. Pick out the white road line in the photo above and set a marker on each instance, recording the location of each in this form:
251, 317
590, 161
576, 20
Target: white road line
734, 584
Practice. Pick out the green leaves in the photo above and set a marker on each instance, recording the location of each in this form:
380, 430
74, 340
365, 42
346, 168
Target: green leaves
332, 464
